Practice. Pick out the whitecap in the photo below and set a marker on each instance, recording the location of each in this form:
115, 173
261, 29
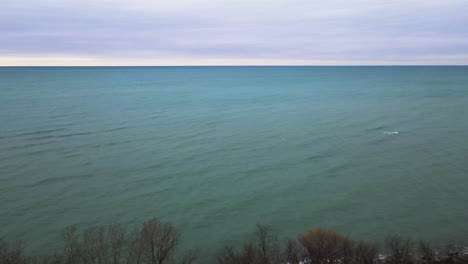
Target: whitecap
391, 132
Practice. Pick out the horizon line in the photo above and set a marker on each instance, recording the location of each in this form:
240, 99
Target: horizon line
236, 65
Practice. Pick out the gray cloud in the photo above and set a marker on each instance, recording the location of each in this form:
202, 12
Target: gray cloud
361, 31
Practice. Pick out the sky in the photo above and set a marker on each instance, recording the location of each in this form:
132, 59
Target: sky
233, 32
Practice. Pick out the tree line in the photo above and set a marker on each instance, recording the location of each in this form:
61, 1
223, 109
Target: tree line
155, 242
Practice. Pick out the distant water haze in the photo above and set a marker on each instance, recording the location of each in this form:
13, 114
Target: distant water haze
365, 151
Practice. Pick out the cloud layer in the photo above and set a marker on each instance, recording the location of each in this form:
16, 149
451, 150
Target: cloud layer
225, 32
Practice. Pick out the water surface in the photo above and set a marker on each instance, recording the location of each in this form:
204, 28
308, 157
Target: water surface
215, 150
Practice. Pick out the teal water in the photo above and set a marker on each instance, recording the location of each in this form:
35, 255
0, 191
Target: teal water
215, 150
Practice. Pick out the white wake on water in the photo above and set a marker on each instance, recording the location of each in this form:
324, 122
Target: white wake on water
391, 132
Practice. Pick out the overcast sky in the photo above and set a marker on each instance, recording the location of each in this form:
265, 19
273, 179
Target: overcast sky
237, 32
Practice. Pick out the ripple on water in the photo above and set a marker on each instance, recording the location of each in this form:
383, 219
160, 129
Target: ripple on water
55, 180
33, 133
299, 147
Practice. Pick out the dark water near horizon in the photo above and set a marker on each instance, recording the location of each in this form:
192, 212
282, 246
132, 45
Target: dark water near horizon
215, 150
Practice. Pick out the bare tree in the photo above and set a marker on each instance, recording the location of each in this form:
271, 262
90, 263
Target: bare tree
347, 251
13, 255
159, 241
135, 247
98, 245
71, 246
399, 250
292, 252
103, 246
117, 240
155, 243
365, 253
251, 254
267, 245
90, 246
427, 254
228, 256
263, 234
3, 251
48, 259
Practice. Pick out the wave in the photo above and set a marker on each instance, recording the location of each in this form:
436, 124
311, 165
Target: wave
375, 128
52, 180
33, 133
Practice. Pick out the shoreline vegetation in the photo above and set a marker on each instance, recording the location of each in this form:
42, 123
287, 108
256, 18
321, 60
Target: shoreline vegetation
155, 242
